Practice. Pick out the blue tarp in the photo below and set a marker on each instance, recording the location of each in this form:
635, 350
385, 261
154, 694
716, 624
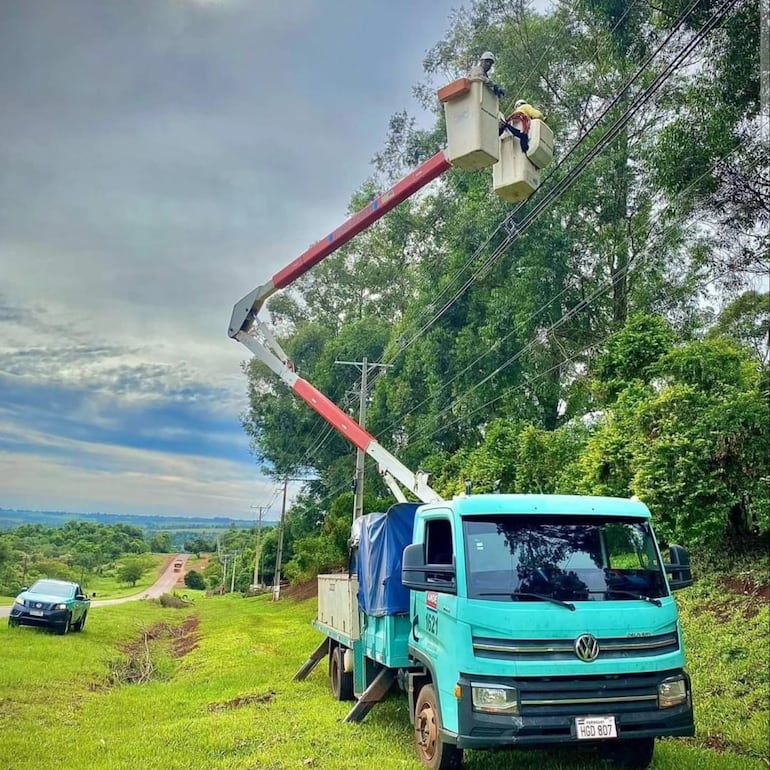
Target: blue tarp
383, 539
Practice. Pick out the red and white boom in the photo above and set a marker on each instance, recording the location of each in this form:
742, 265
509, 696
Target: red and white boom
251, 332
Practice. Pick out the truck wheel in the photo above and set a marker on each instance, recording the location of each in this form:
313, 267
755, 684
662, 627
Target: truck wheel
631, 753
341, 680
12, 623
433, 751
80, 625
65, 627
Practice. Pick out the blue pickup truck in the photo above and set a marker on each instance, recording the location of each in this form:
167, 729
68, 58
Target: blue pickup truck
512, 621
57, 604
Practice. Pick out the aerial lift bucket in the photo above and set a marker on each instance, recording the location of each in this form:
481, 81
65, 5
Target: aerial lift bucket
471, 111
516, 175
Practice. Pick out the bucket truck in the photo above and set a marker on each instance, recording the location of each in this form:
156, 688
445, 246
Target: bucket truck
508, 620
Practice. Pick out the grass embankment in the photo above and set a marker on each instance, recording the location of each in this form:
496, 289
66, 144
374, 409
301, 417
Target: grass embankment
220, 694
109, 587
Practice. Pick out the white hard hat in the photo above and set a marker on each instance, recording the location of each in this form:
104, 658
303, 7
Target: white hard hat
487, 55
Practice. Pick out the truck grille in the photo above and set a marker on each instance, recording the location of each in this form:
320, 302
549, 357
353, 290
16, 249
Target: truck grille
557, 696
564, 649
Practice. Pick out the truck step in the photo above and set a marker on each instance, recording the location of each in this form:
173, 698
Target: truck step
372, 695
318, 654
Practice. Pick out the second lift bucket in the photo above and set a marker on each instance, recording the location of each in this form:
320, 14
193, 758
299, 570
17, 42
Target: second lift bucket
471, 112
514, 177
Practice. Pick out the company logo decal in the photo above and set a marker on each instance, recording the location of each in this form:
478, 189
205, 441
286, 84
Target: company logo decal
587, 647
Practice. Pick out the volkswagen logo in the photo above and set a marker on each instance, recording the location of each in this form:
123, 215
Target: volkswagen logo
587, 647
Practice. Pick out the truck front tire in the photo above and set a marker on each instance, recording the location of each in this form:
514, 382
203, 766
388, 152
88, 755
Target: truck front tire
341, 680
433, 751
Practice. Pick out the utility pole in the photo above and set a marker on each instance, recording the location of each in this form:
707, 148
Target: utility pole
279, 551
358, 481
223, 559
232, 577
258, 551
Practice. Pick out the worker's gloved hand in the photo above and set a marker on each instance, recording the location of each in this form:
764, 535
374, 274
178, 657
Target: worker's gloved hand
497, 91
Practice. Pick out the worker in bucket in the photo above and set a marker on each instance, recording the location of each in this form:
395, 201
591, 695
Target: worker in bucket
480, 71
518, 122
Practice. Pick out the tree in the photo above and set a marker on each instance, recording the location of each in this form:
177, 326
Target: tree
161, 543
131, 570
195, 580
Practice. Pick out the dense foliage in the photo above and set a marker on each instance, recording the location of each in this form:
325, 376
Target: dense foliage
608, 337
75, 551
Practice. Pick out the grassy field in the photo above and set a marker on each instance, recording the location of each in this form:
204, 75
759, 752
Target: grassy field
219, 694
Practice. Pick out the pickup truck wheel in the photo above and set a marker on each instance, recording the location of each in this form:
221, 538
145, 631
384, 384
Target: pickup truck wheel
12, 623
80, 625
341, 680
65, 627
433, 751
631, 753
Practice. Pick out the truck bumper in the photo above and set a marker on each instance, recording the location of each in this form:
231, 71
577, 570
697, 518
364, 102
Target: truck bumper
546, 725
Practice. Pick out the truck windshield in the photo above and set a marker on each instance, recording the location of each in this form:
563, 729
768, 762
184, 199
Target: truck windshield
569, 558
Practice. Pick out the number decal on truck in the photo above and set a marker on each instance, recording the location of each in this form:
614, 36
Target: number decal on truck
431, 623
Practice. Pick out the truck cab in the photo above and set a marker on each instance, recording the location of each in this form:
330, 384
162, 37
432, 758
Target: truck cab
544, 619
512, 621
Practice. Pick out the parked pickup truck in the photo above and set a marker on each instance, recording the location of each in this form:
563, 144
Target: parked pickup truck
57, 604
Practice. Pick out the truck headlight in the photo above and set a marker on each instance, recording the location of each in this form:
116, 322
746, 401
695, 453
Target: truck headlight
60, 606
20, 601
493, 699
672, 692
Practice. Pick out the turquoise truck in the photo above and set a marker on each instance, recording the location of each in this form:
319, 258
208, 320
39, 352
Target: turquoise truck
508, 620
517, 621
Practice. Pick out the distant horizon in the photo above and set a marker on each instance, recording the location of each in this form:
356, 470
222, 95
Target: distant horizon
191, 517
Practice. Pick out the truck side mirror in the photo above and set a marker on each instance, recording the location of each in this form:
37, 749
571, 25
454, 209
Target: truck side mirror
678, 571
419, 576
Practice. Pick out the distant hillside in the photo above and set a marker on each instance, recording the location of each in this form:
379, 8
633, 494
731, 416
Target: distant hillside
10, 518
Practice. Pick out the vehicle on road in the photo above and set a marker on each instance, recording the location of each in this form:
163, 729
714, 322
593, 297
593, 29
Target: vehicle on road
57, 604
178, 565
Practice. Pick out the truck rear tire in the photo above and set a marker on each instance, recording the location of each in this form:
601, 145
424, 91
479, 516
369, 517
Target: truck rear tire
434, 752
341, 680
630, 754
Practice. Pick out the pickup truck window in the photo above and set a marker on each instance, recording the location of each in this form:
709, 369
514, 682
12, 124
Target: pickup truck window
54, 588
569, 558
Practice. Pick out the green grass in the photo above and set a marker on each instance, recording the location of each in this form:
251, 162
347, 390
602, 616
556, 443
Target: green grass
108, 586
230, 703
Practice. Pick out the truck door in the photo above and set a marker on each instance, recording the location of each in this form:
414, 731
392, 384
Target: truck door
433, 610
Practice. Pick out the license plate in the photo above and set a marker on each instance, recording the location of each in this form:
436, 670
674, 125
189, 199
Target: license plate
595, 728
36, 613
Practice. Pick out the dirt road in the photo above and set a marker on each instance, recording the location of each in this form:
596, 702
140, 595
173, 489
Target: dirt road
163, 585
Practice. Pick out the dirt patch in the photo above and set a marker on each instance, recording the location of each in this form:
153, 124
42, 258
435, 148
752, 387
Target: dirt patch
300, 591
138, 663
747, 587
188, 637
747, 597
244, 700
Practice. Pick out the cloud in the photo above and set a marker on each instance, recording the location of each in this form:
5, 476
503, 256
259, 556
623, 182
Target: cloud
160, 159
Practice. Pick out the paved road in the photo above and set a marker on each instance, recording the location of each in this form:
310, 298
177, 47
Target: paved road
163, 585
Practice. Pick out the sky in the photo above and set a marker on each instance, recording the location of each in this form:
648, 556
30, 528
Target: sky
159, 159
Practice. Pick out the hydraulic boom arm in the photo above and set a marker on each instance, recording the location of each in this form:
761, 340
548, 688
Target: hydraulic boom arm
251, 332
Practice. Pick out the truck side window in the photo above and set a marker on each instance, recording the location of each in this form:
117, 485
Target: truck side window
438, 542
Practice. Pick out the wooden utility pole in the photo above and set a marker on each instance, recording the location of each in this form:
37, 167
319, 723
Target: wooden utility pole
363, 395
232, 579
258, 551
279, 551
